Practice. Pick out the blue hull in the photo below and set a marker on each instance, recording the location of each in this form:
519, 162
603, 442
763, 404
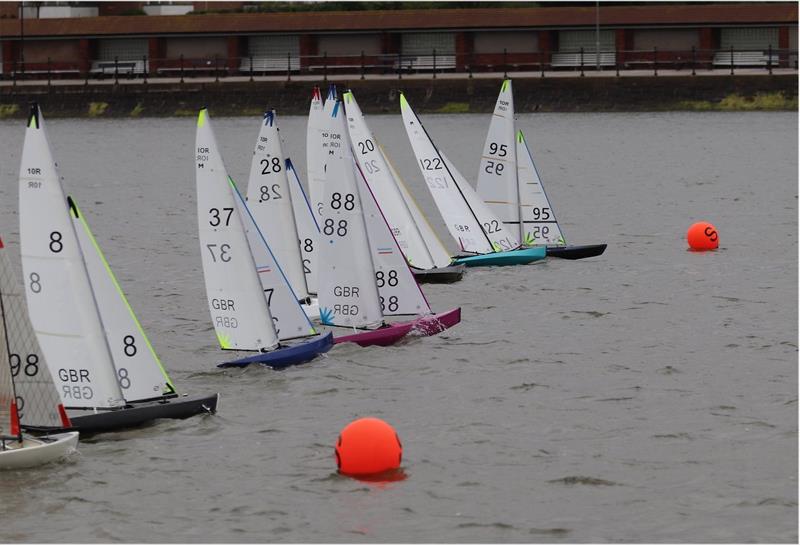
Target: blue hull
499, 259
290, 355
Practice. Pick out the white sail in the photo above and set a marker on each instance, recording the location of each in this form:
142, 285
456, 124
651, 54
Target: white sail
497, 174
538, 218
62, 306
469, 221
37, 401
239, 310
316, 143
433, 244
348, 294
270, 201
139, 371
287, 315
380, 180
398, 289
307, 227
502, 239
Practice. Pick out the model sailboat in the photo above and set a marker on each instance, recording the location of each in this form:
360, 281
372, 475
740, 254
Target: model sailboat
252, 304
106, 370
270, 199
27, 393
364, 275
477, 230
425, 253
510, 185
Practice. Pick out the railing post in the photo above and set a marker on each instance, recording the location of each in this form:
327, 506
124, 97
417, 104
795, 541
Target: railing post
434, 63
216, 68
288, 66
144, 68
362, 64
655, 61
324, 66
694, 60
399, 66
769, 59
116, 70
541, 65
505, 63
582, 74
251, 68
14, 73
616, 63
86, 75
181, 67
48, 71
731, 60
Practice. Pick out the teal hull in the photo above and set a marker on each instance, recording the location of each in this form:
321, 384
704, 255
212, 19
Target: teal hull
501, 259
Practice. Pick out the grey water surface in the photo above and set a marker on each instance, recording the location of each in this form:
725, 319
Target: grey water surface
649, 394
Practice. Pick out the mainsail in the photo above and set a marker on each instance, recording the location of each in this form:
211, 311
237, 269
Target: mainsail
63, 308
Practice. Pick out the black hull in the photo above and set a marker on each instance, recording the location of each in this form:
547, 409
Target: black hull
441, 275
136, 413
576, 252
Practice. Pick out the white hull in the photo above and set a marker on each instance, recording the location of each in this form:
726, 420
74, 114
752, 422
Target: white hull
312, 309
36, 451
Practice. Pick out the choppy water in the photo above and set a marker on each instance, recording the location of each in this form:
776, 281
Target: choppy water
646, 395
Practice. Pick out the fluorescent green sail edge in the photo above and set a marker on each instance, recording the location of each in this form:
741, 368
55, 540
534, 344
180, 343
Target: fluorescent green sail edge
403, 101
201, 118
505, 86
224, 341
520, 137
122, 295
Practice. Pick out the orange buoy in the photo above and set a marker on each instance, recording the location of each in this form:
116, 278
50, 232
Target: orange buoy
702, 236
367, 446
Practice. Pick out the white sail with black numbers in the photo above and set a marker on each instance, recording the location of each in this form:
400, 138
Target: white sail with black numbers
270, 202
497, 174
239, 311
348, 295
439, 254
538, 218
398, 289
60, 299
384, 188
469, 221
307, 227
139, 371
37, 401
288, 316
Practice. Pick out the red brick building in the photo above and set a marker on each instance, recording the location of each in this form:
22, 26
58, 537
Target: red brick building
98, 37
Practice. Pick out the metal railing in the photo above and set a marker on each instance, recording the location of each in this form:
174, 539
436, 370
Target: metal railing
398, 65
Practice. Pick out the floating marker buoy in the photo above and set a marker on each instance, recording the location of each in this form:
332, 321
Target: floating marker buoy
368, 446
702, 236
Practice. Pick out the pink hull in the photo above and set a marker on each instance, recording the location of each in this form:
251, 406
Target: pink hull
386, 336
